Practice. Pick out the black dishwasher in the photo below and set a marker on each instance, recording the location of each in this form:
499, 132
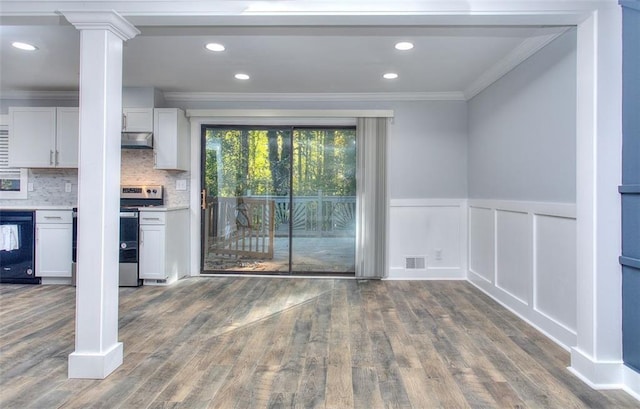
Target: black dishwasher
17, 247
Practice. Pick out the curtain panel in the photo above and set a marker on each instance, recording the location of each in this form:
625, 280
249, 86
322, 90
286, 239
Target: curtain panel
371, 248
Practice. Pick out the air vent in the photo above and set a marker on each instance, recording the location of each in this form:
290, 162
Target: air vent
415, 263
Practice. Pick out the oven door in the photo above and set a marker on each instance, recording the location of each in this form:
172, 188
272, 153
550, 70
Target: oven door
128, 252
128, 237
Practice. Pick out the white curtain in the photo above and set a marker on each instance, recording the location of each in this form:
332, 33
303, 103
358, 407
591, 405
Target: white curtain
371, 137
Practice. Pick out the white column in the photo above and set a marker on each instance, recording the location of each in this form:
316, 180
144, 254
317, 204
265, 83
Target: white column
98, 352
597, 357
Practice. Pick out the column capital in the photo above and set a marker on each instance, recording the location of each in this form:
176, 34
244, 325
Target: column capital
102, 20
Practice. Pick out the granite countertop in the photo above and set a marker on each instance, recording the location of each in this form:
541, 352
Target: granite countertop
36, 207
163, 208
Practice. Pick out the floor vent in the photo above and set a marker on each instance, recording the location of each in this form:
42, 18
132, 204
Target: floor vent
415, 263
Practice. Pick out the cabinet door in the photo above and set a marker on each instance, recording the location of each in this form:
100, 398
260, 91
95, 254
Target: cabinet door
152, 254
68, 128
32, 134
170, 139
53, 250
137, 119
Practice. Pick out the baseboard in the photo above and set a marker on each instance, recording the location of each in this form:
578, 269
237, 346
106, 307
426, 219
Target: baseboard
631, 382
426, 274
95, 366
56, 281
560, 336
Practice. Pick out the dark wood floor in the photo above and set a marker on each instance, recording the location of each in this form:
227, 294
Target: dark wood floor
226, 342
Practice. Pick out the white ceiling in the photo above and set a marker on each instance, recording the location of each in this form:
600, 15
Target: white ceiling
293, 59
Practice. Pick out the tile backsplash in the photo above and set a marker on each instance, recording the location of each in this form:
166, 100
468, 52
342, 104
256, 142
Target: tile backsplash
48, 189
137, 169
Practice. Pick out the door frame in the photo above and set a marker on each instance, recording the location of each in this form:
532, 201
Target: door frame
292, 128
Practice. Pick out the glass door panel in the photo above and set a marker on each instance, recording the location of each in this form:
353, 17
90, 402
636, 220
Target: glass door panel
246, 176
324, 200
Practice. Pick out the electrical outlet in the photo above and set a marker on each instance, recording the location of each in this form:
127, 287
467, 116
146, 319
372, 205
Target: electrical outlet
438, 254
181, 184
30, 187
67, 187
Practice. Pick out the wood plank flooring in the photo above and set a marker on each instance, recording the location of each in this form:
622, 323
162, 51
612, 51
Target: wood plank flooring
242, 342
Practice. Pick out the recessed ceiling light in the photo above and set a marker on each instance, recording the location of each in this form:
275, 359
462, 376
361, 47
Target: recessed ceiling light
404, 46
390, 76
24, 46
214, 47
241, 76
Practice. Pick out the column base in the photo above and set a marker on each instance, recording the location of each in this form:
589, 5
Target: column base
596, 374
95, 366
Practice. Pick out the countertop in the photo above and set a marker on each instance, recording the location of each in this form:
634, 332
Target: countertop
69, 208
36, 207
163, 208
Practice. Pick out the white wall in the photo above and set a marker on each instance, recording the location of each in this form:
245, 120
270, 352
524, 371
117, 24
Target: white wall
522, 190
431, 229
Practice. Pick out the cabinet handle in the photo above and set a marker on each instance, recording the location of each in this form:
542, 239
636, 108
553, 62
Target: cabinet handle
150, 218
155, 159
53, 217
203, 199
124, 122
51, 157
57, 158
141, 237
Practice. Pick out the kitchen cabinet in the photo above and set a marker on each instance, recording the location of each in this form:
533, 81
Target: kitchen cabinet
45, 137
137, 120
164, 251
54, 235
171, 139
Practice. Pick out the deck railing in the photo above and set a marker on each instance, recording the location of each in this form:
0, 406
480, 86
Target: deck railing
312, 216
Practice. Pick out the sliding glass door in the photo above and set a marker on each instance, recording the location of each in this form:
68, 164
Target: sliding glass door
278, 200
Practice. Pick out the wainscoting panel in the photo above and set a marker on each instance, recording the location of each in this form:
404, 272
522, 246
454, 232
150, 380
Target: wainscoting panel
523, 254
481, 250
433, 230
514, 254
555, 269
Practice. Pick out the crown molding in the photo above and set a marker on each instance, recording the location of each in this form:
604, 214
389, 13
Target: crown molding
297, 97
45, 95
101, 20
516, 57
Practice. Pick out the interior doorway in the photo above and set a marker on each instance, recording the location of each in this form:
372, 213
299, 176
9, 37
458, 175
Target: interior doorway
278, 200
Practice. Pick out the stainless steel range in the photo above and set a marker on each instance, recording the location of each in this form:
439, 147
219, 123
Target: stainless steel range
132, 198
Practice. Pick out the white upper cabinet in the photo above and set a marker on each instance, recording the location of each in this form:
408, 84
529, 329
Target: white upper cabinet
43, 137
171, 139
67, 130
137, 120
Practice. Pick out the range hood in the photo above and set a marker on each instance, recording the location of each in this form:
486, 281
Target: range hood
137, 140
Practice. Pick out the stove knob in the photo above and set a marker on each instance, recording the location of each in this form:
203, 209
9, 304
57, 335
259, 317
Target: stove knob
123, 245
155, 191
148, 190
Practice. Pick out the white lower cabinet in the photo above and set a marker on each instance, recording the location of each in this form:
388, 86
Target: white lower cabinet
152, 260
164, 249
54, 235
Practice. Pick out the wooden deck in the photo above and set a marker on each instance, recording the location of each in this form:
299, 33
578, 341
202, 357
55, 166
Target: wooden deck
240, 342
333, 255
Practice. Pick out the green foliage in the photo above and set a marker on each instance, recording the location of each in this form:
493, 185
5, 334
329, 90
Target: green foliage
256, 161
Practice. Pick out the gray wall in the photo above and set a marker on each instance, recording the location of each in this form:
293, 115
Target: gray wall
427, 150
522, 132
427, 142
